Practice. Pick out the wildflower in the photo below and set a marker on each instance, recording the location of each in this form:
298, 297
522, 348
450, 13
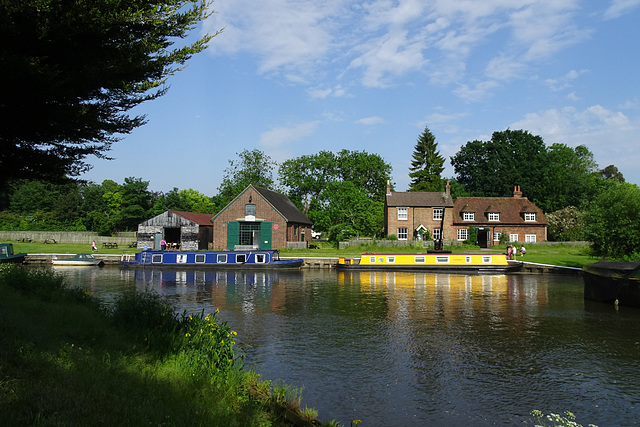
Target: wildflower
187, 334
217, 310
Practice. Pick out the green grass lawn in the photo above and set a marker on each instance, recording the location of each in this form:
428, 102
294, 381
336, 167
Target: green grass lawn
563, 255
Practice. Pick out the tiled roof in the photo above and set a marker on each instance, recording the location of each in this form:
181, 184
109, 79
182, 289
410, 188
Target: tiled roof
511, 210
419, 199
283, 205
198, 218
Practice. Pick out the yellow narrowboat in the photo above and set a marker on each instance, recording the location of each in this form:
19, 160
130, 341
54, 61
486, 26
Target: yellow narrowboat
474, 263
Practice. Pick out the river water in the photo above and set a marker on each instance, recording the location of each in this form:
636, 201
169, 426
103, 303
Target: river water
415, 349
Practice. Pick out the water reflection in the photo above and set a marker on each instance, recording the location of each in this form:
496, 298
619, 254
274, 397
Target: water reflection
418, 348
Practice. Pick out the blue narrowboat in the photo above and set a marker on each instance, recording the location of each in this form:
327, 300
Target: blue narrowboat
261, 259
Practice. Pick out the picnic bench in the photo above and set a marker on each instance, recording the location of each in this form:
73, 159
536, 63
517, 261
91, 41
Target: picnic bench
133, 244
109, 245
50, 241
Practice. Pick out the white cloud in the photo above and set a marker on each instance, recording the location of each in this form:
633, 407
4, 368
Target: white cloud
620, 7
565, 81
373, 120
610, 135
283, 135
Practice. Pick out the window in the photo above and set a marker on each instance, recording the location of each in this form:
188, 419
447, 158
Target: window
372, 259
437, 233
467, 259
156, 258
442, 259
403, 214
380, 259
494, 216
241, 259
486, 260
468, 216
438, 213
513, 237
200, 258
530, 238
419, 259
391, 259
463, 234
529, 216
403, 233
496, 236
222, 258
250, 209
260, 258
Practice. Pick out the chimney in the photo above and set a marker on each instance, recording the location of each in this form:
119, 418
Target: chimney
517, 194
447, 189
388, 188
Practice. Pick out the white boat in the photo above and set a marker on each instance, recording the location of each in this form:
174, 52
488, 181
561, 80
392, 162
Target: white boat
77, 260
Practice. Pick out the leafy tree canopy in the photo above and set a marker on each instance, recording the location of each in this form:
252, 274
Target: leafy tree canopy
71, 70
252, 167
612, 221
611, 172
426, 164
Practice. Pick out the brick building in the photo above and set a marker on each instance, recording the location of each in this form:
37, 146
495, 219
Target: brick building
409, 214
262, 219
516, 217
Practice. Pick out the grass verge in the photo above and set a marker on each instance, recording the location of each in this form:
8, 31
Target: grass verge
65, 360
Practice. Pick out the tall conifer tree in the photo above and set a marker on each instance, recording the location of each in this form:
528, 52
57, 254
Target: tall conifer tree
427, 164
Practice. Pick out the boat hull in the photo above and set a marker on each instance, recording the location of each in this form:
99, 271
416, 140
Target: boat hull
439, 261
612, 282
241, 260
13, 259
75, 263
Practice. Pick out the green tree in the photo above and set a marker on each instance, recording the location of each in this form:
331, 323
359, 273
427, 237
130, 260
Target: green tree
183, 200
612, 221
510, 158
70, 71
426, 164
252, 167
611, 172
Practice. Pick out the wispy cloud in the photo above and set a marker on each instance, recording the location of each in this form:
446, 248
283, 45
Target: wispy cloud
620, 7
377, 43
283, 135
369, 121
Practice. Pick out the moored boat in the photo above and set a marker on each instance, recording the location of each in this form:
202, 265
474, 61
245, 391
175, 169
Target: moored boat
612, 281
212, 259
440, 261
7, 255
78, 260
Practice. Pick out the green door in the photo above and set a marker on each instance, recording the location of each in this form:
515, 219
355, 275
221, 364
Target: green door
265, 235
233, 234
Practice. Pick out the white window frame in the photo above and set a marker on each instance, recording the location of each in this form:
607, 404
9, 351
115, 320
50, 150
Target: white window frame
513, 237
467, 259
486, 259
468, 216
529, 216
403, 233
437, 233
496, 236
442, 259
529, 238
221, 259
493, 216
391, 259
420, 259
372, 259
463, 234
438, 213
403, 214
261, 258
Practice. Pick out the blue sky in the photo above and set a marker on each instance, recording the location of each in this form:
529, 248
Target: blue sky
294, 77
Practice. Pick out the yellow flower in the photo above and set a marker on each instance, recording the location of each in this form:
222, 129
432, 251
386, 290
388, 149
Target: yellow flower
217, 310
187, 334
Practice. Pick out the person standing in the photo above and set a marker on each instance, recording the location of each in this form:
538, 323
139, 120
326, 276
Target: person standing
163, 244
509, 251
523, 250
94, 248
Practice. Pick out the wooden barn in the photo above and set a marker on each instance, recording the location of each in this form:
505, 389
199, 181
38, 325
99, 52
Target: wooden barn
181, 230
261, 219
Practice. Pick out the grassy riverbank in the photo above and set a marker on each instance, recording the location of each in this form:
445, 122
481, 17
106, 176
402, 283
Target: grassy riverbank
65, 360
560, 254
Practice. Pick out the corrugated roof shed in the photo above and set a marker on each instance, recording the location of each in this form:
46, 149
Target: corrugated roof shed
198, 218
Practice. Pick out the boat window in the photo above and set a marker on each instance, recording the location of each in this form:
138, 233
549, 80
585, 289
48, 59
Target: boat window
259, 258
241, 258
467, 259
381, 259
391, 259
486, 259
419, 259
442, 259
372, 259
200, 258
156, 258
222, 258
